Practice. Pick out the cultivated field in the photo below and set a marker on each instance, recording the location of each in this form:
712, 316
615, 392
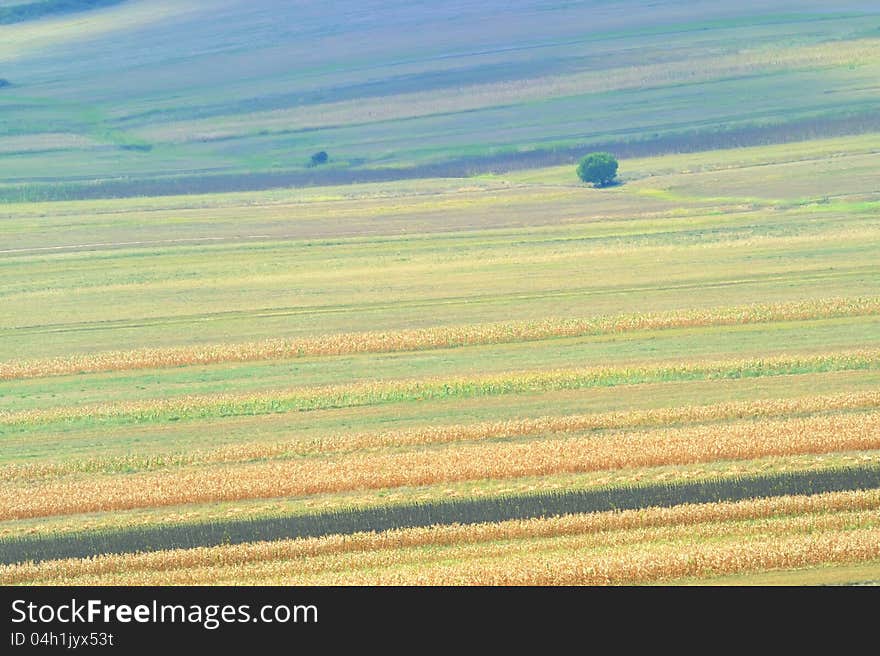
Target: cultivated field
439, 358
505, 379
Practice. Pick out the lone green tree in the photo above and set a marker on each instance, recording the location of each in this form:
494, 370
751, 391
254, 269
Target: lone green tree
319, 158
598, 168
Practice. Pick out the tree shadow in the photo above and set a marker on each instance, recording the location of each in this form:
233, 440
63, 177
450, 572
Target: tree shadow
617, 182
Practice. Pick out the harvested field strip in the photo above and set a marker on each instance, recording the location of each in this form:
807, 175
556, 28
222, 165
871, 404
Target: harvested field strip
473, 511
454, 433
236, 555
627, 564
305, 476
380, 392
437, 338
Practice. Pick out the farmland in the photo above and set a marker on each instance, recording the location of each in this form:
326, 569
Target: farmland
442, 359
560, 364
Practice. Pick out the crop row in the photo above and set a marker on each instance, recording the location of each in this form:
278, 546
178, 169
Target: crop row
469, 511
492, 460
394, 391
162, 563
348, 442
348, 564
629, 564
437, 337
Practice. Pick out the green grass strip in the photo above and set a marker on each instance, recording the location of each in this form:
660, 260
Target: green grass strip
397, 391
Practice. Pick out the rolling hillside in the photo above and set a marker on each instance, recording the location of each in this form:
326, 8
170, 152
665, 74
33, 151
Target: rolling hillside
151, 96
439, 358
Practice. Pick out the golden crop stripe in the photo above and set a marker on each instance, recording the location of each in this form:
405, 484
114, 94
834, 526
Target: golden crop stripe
257, 509
628, 565
420, 557
391, 391
296, 477
341, 443
438, 337
236, 555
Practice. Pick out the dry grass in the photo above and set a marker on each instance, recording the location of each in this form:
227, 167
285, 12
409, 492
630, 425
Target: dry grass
306, 476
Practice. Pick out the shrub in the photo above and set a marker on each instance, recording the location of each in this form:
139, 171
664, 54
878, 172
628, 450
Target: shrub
319, 158
598, 168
